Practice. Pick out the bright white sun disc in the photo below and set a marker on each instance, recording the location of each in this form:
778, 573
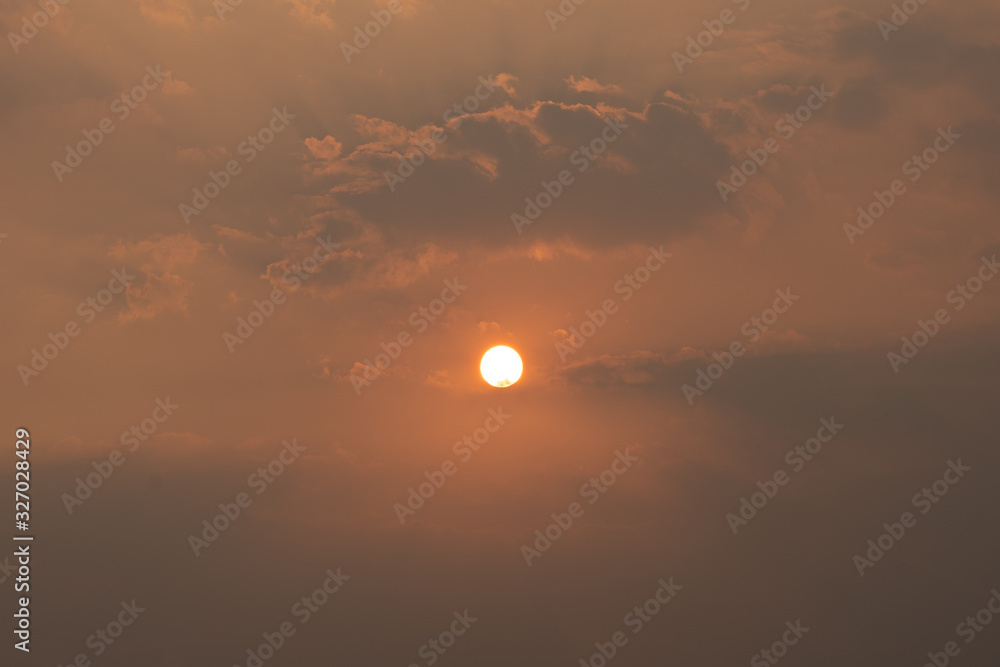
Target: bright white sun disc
501, 366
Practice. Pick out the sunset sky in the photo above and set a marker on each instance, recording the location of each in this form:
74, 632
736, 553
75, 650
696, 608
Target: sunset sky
746, 250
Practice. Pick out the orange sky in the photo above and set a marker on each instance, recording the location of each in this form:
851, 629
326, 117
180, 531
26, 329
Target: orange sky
218, 216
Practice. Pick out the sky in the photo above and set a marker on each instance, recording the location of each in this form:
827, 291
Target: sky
252, 253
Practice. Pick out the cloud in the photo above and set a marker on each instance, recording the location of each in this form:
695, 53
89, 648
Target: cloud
506, 81
161, 289
656, 179
173, 86
313, 13
587, 85
438, 380
643, 367
859, 105
201, 155
176, 13
403, 267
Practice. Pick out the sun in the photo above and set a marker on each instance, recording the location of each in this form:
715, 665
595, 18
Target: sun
501, 366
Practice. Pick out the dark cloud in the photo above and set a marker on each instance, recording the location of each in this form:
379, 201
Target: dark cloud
658, 173
859, 106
